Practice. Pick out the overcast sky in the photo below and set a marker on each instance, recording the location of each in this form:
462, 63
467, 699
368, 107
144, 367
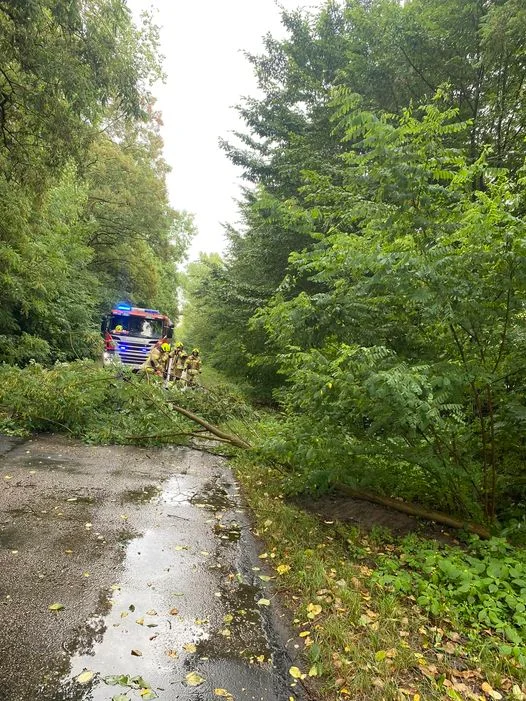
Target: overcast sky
206, 75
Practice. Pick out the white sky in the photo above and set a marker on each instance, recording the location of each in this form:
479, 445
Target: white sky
206, 76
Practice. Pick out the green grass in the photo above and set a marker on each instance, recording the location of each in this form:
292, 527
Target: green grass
368, 640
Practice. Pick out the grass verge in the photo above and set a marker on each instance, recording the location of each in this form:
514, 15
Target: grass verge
362, 637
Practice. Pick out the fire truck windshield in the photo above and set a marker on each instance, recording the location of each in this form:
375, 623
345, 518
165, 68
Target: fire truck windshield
136, 326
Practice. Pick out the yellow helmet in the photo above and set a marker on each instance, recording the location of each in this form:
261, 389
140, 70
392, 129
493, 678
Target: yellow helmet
119, 328
165, 347
195, 351
178, 344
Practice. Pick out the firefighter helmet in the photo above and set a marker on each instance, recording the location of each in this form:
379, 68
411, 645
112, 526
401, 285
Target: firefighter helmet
165, 347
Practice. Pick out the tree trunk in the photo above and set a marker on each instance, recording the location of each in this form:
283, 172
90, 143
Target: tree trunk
414, 510
235, 440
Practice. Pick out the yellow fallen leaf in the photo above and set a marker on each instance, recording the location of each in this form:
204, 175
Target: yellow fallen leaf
172, 653
313, 671
490, 691
190, 647
174, 611
264, 602
85, 677
140, 621
304, 633
282, 569
296, 673
517, 694
313, 610
222, 692
194, 679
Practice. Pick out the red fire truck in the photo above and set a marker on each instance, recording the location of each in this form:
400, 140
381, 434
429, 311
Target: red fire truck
130, 333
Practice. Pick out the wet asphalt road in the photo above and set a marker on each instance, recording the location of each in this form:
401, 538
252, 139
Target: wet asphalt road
151, 556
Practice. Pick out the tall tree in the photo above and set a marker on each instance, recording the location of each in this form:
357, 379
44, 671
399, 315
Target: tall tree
85, 212
392, 55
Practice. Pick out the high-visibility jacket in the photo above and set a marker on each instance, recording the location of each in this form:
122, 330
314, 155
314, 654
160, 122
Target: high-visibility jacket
157, 361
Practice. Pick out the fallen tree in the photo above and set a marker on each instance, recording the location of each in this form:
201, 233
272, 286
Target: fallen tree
404, 507
214, 430
414, 510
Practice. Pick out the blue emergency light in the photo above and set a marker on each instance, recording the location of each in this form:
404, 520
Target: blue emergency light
124, 307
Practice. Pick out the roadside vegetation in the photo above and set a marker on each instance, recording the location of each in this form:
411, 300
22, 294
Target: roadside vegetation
387, 619
375, 289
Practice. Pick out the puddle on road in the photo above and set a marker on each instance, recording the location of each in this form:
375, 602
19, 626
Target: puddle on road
83, 499
168, 597
93, 630
9, 443
12, 537
228, 532
51, 464
214, 497
241, 634
140, 496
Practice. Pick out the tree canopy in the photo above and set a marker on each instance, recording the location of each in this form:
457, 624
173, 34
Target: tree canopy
85, 216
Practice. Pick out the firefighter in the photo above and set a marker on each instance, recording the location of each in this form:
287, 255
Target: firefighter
193, 367
118, 329
179, 357
157, 361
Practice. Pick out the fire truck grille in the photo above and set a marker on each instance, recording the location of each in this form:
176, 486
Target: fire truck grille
133, 353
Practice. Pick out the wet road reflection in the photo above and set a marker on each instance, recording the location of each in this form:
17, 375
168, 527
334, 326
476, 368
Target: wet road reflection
184, 608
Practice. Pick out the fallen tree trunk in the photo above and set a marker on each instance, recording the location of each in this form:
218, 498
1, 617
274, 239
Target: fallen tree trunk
414, 510
402, 506
235, 440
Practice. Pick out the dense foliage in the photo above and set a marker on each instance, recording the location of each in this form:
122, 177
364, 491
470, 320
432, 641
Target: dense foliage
377, 287
107, 405
482, 588
84, 212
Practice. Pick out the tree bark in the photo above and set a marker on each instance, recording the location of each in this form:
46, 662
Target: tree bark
235, 440
414, 510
